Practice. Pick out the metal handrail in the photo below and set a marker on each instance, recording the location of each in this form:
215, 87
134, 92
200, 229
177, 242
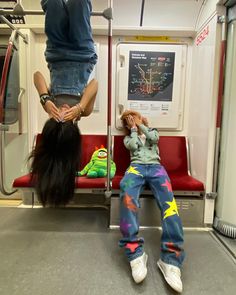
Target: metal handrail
22, 91
10, 25
108, 192
19, 10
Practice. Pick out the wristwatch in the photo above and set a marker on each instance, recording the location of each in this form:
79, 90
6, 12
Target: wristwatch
44, 98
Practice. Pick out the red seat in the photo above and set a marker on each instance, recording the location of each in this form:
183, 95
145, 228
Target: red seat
23, 181
121, 157
173, 153
89, 143
174, 157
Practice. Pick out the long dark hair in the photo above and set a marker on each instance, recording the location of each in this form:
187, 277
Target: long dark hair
55, 160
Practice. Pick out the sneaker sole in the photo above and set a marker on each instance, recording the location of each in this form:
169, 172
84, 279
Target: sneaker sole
166, 279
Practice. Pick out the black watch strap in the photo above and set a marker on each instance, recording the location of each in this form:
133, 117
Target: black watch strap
44, 98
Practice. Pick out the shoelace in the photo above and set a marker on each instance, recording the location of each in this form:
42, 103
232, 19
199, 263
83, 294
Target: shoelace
138, 262
175, 271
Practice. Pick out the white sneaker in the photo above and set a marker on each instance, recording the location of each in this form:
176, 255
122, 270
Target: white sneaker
139, 268
172, 275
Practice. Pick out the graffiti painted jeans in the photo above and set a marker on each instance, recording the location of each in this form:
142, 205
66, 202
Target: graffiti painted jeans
137, 176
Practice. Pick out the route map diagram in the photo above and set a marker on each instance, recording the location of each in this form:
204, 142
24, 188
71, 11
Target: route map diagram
151, 75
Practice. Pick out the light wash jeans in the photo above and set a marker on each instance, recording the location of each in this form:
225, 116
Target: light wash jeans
132, 184
70, 51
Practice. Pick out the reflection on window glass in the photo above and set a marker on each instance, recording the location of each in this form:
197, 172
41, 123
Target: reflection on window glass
12, 91
2, 57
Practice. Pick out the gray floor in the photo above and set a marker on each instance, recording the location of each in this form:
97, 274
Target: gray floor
71, 251
229, 243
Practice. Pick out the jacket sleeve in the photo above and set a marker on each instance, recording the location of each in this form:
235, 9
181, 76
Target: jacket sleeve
151, 134
131, 141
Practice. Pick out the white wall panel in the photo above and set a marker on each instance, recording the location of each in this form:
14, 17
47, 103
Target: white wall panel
171, 13
209, 9
99, 6
203, 105
32, 5
127, 13
202, 111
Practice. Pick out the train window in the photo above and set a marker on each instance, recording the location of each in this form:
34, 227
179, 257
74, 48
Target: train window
12, 90
150, 81
2, 57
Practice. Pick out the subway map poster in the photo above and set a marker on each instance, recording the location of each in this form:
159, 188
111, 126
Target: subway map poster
151, 76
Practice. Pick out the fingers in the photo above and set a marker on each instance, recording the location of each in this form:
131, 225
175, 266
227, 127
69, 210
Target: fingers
72, 114
52, 110
137, 121
145, 121
55, 113
130, 121
69, 116
56, 116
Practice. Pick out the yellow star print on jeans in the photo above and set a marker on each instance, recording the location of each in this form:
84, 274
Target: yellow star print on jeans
133, 170
172, 210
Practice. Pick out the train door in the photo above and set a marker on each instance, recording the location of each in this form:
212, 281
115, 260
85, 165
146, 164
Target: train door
225, 220
13, 124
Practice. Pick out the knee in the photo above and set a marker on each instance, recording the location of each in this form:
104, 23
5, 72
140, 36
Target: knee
122, 185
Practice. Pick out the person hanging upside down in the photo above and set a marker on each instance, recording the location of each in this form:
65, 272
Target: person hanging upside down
145, 169
70, 55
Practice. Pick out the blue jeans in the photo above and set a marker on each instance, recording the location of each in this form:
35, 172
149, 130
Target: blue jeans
132, 184
69, 77
70, 50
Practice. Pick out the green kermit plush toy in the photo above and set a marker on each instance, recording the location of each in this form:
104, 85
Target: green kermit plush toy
97, 167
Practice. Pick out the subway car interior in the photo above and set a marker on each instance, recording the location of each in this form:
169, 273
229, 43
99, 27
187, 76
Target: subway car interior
172, 61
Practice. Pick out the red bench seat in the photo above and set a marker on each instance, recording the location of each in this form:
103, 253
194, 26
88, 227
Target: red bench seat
89, 143
174, 157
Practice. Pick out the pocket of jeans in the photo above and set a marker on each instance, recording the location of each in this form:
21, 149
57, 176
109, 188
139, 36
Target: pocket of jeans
90, 68
62, 78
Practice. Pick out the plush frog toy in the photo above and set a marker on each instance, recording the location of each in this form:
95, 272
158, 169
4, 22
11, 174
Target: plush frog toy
97, 167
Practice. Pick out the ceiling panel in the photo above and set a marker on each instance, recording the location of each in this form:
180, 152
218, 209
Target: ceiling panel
171, 13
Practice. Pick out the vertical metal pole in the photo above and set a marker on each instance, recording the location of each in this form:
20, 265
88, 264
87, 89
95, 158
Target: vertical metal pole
109, 104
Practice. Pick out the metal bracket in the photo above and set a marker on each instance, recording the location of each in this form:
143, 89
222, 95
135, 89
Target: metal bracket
221, 19
18, 9
108, 195
211, 196
4, 127
107, 13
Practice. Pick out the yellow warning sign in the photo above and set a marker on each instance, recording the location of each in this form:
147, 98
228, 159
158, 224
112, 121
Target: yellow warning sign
152, 39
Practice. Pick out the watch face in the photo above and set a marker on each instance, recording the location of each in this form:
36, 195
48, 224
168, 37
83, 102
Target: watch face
44, 99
